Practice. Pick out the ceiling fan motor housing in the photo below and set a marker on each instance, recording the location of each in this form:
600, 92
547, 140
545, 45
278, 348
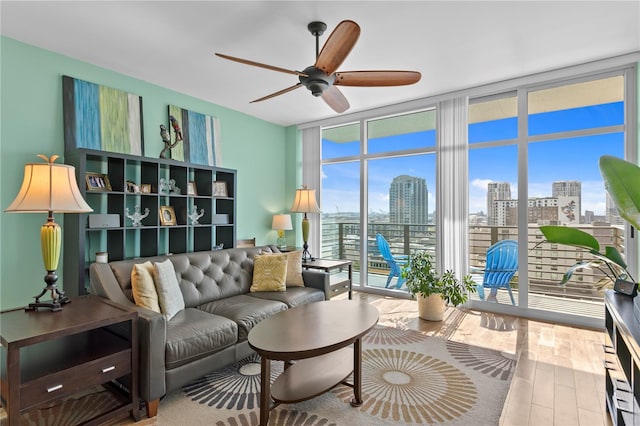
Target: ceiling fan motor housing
317, 81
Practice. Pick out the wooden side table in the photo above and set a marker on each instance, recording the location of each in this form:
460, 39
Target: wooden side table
52, 355
338, 285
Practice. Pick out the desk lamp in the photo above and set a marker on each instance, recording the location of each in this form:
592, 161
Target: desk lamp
281, 222
305, 202
49, 187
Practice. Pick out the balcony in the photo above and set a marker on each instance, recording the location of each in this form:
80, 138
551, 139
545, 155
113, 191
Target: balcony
547, 263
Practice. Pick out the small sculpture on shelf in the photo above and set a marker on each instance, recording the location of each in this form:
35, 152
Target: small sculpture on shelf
168, 145
194, 215
136, 217
167, 187
173, 189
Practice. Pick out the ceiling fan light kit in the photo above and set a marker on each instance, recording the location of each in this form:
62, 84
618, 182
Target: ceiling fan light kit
321, 78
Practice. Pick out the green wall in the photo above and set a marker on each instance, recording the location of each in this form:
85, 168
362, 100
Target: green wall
31, 123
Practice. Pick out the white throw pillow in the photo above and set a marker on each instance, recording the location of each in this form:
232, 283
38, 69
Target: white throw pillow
168, 288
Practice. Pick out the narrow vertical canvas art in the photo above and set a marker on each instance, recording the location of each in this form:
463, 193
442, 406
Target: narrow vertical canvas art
101, 118
201, 137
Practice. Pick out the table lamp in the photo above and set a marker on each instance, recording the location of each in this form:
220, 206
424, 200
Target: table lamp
49, 187
305, 202
281, 222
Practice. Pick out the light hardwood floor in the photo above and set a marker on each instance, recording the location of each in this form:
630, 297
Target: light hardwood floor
559, 378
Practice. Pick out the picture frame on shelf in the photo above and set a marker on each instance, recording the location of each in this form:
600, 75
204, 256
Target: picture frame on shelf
145, 188
191, 188
167, 216
220, 189
97, 182
132, 187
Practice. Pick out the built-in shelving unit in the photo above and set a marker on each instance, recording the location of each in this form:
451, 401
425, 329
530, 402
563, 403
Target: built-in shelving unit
622, 360
150, 238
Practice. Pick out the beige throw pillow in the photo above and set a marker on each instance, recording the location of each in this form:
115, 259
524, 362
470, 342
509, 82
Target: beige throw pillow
143, 287
168, 288
294, 269
269, 273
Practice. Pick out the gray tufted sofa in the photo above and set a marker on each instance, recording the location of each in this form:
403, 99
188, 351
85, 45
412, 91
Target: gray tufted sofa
212, 330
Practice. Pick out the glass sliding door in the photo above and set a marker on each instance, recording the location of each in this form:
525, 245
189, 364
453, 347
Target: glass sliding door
570, 127
557, 138
493, 196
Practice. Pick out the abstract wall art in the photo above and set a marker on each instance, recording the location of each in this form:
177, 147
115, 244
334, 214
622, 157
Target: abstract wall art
101, 118
200, 137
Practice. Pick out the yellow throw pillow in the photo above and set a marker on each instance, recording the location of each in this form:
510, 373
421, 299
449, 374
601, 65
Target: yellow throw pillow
269, 273
143, 287
294, 269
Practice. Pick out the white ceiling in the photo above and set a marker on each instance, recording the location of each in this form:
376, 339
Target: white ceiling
454, 44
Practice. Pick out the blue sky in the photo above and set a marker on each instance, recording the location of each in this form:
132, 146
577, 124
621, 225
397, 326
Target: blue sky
549, 161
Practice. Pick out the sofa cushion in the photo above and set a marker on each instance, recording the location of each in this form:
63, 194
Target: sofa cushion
294, 269
143, 287
244, 310
194, 334
269, 273
294, 296
169, 295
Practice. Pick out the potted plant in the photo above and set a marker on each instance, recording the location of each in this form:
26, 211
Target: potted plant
621, 179
432, 290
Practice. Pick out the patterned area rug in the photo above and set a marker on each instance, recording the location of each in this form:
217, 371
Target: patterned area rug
408, 378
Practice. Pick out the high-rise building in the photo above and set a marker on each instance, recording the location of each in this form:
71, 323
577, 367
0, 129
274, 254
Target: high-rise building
408, 200
496, 191
612, 214
569, 192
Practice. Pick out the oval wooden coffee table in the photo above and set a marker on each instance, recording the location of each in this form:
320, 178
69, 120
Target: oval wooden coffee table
317, 336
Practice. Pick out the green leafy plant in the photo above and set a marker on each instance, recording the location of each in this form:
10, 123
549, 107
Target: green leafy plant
421, 278
622, 182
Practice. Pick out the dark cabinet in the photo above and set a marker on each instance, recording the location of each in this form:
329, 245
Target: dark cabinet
139, 187
622, 360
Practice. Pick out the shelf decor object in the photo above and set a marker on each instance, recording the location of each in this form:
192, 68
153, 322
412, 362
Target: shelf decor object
281, 223
167, 216
220, 189
136, 217
101, 118
305, 202
194, 216
49, 187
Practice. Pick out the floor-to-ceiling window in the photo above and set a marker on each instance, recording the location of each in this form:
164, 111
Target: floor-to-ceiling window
394, 170
549, 149
533, 146
493, 186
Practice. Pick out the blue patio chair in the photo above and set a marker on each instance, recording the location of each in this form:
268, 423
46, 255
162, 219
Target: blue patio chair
502, 264
395, 262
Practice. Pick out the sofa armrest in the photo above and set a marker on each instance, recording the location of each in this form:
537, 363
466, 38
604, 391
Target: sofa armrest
152, 332
319, 280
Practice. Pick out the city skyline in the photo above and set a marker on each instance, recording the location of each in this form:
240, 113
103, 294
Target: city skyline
570, 159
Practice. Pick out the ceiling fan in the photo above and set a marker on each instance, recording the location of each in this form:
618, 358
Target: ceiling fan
322, 77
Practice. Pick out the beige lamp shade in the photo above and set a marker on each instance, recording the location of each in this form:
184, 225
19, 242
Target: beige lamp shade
49, 187
281, 222
305, 201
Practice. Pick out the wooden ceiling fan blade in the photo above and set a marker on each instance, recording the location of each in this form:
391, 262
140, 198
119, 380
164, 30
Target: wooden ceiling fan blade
278, 93
258, 64
338, 46
377, 78
335, 99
